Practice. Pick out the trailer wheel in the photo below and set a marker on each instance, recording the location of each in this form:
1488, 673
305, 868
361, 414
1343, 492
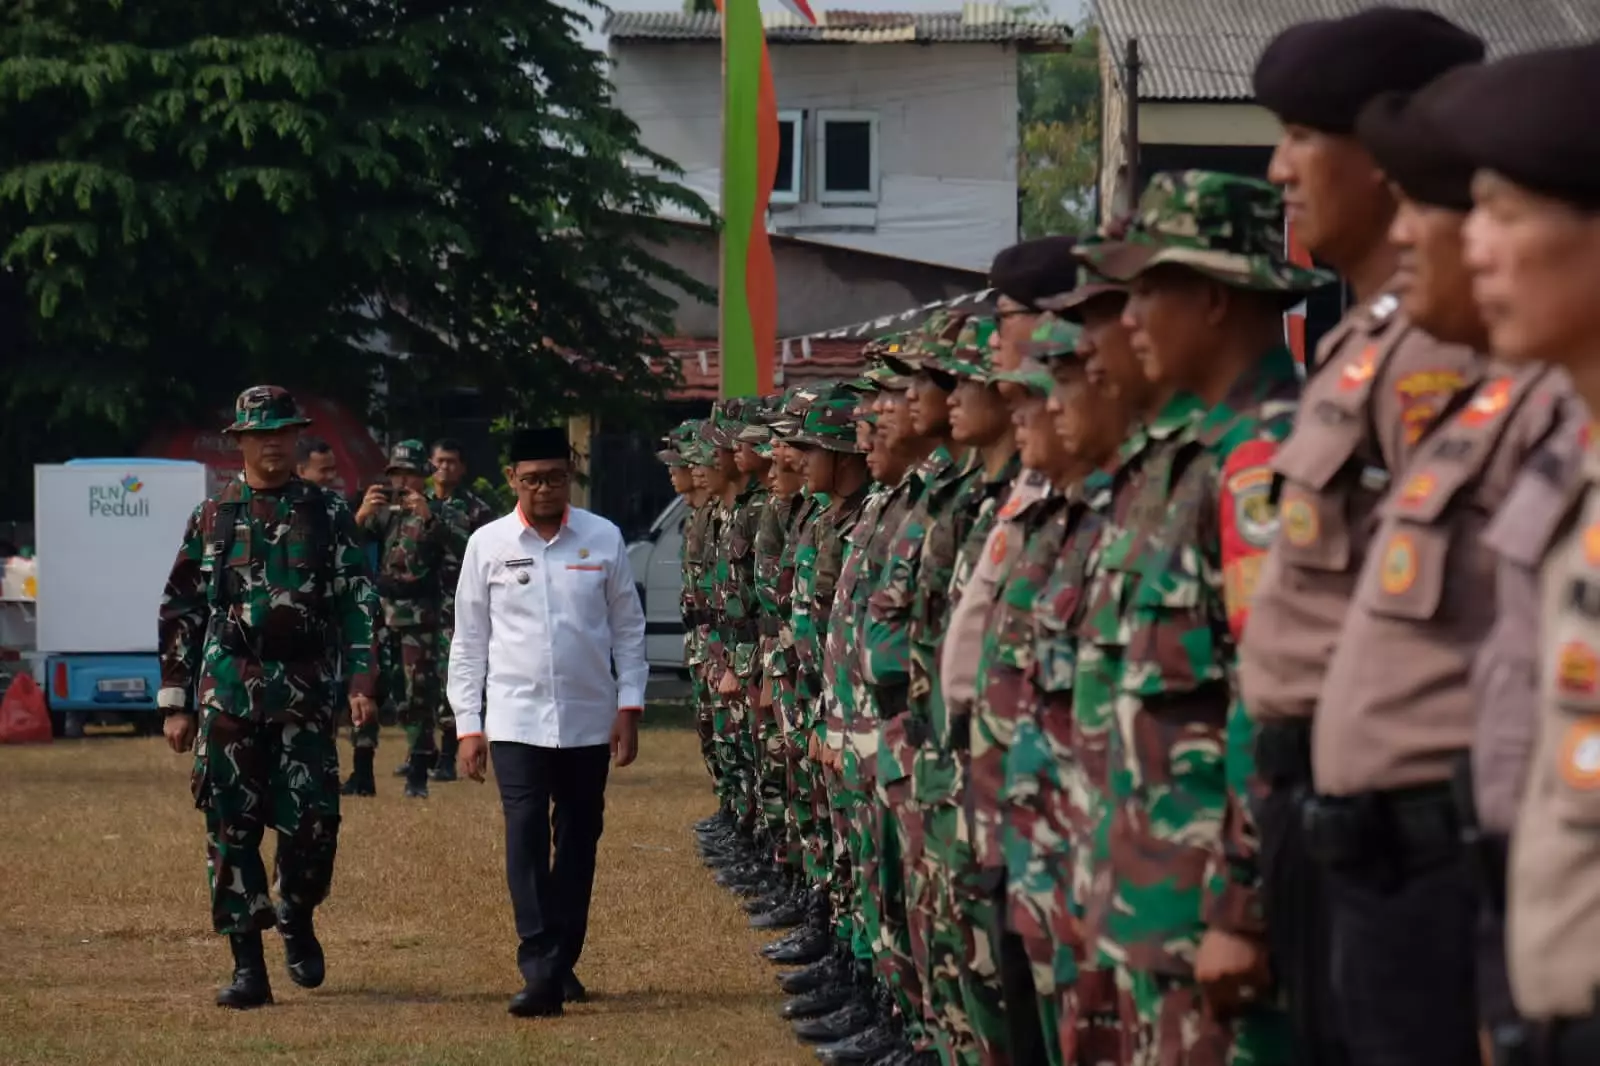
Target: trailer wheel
58, 724
73, 727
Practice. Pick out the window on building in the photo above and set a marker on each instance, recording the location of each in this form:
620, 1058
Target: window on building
789, 182
847, 157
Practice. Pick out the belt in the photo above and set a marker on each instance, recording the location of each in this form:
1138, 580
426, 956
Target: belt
961, 731
892, 699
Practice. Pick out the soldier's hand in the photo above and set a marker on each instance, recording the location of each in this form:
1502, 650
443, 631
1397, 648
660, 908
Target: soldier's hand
729, 685
1232, 971
472, 757
179, 729
417, 504
362, 710
814, 748
371, 503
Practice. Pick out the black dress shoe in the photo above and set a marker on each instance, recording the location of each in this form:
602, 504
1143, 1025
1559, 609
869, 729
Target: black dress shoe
817, 1002
536, 1001
301, 949
852, 1018
808, 948
823, 972
250, 987
786, 916
572, 990
870, 1047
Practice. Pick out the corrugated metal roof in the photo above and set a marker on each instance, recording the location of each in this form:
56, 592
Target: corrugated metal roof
973, 24
1205, 51
829, 360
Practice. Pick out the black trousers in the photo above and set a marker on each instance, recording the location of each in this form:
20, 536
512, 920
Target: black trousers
550, 795
1404, 951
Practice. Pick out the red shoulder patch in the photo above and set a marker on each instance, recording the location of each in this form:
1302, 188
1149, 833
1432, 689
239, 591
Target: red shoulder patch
1249, 522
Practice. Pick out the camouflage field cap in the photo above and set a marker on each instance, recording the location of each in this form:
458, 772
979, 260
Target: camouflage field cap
935, 337
1031, 375
1053, 338
265, 409
675, 444
720, 430
695, 451
1224, 226
830, 422
1091, 285
408, 456
973, 355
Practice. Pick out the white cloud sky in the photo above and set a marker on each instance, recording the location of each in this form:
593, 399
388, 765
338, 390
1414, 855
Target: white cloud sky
1069, 11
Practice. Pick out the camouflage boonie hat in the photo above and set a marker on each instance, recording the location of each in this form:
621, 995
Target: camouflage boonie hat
1226, 227
935, 337
408, 456
265, 409
1031, 375
973, 356
675, 444
720, 430
1053, 338
695, 451
830, 422
1091, 285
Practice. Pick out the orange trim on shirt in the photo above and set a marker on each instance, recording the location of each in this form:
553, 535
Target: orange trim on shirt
465, 736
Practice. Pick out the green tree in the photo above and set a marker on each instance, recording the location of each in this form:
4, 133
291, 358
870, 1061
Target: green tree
196, 196
699, 7
1059, 100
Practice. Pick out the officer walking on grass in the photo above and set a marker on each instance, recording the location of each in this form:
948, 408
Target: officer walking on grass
268, 593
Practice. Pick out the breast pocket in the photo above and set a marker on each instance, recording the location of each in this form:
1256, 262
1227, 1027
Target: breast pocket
1055, 641
1171, 647
582, 588
1315, 503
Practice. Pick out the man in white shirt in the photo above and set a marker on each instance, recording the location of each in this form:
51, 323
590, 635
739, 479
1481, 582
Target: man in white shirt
545, 608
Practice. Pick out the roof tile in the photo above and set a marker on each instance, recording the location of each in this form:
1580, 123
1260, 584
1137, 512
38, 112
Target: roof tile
975, 23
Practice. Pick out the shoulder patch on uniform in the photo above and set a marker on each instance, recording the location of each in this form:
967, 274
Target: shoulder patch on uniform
997, 547
1399, 565
1247, 487
1591, 544
1360, 370
1488, 402
1423, 395
1301, 526
1580, 754
1418, 489
1577, 669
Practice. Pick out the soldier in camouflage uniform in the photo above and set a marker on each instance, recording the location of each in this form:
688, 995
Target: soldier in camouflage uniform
462, 512
737, 609
411, 550
833, 465
782, 908
268, 593
699, 532
1175, 902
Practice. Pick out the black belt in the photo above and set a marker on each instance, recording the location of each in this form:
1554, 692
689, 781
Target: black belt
1392, 832
892, 699
961, 731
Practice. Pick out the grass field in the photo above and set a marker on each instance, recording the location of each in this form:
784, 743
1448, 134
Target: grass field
106, 953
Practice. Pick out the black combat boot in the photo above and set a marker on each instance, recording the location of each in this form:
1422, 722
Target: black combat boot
361, 782
302, 951
417, 775
445, 768
883, 1040
786, 915
774, 899
250, 987
806, 944
818, 1001
832, 969
854, 1017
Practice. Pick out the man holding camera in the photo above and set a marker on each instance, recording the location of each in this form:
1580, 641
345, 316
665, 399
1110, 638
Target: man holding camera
411, 542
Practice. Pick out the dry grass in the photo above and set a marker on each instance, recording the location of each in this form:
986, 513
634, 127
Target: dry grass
106, 955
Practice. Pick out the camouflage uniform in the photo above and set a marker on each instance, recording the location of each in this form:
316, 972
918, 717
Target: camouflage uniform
736, 608
954, 902
462, 513
772, 763
411, 557
699, 537
1179, 851
254, 643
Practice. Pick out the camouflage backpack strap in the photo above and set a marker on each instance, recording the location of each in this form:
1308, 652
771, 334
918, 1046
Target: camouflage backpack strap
230, 510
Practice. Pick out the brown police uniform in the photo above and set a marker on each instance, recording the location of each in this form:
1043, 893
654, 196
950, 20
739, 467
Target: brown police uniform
1505, 682
1396, 721
1555, 854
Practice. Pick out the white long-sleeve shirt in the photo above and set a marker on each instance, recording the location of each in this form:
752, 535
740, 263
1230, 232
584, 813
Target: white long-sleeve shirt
542, 622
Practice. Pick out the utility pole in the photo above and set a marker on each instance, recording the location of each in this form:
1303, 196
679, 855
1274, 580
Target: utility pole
1130, 123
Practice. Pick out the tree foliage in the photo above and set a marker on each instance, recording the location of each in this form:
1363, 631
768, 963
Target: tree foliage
197, 196
1059, 96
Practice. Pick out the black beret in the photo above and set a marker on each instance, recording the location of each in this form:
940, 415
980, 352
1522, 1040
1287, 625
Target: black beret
1425, 160
528, 445
1321, 73
1522, 117
1032, 270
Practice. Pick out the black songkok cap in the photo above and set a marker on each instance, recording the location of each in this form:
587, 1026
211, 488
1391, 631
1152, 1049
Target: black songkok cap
1425, 160
1032, 270
529, 445
1524, 118
1321, 73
